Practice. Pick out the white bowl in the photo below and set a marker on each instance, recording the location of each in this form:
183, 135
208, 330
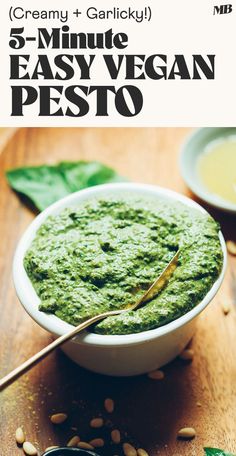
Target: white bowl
193, 147
119, 355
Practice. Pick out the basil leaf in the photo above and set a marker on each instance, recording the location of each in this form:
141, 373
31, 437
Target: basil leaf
43, 185
216, 452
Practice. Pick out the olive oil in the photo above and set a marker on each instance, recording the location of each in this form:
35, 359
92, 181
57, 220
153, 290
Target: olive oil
217, 168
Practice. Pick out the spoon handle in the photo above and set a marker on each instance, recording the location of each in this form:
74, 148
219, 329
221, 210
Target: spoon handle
24, 367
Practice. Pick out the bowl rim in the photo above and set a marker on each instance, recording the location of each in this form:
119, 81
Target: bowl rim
196, 187
30, 300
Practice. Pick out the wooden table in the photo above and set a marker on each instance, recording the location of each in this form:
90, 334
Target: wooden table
150, 412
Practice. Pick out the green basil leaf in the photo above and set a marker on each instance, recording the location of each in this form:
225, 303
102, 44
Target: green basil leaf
43, 185
216, 452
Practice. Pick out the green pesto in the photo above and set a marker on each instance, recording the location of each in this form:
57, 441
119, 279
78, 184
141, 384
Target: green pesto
103, 254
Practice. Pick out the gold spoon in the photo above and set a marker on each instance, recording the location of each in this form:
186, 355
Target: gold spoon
152, 291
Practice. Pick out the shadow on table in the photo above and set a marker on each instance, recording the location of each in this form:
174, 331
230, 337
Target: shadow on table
227, 220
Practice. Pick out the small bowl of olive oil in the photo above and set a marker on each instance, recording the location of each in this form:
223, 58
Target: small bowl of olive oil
208, 166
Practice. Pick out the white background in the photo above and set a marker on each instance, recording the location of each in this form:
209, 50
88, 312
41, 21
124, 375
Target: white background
182, 27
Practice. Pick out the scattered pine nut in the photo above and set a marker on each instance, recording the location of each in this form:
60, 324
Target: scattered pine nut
85, 446
115, 436
109, 405
97, 443
58, 418
29, 449
225, 308
187, 433
129, 450
187, 354
156, 374
231, 247
142, 452
73, 442
51, 448
20, 436
199, 404
96, 422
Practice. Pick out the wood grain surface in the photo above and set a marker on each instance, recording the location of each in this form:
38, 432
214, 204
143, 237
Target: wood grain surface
148, 413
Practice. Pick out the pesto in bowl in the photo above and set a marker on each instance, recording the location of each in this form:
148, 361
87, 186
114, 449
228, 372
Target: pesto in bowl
103, 254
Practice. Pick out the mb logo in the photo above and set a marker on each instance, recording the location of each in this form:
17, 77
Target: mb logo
223, 9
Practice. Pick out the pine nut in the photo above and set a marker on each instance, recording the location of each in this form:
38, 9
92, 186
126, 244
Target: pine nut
97, 443
225, 308
129, 450
231, 247
96, 422
115, 436
187, 433
58, 418
51, 448
187, 354
142, 452
156, 375
29, 449
73, 442
85, 446
109, 405
20, 436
